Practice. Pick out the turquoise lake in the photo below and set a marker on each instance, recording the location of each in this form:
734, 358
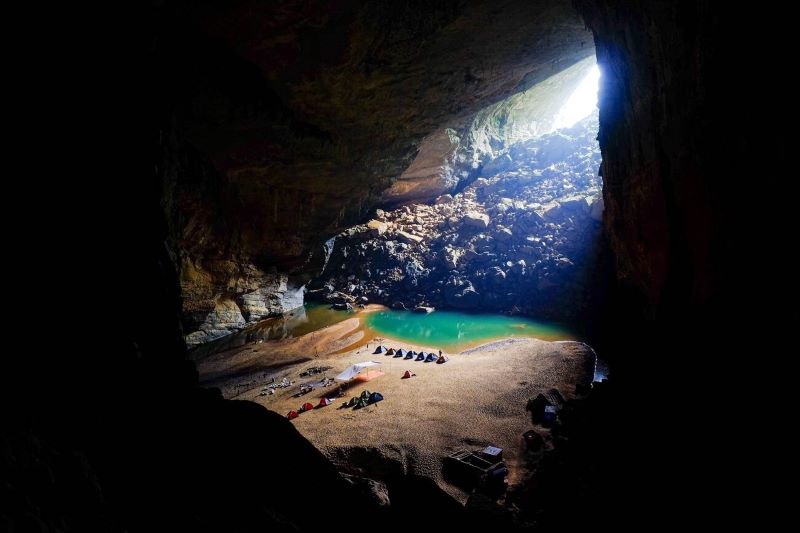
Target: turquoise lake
451, 331
454, 331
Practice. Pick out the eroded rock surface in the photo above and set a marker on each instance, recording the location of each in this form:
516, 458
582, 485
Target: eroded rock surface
514, 241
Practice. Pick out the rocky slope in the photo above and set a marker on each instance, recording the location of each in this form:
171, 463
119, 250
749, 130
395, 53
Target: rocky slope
518, 239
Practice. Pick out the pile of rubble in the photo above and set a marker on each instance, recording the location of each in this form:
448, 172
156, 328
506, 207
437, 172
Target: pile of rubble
518, 239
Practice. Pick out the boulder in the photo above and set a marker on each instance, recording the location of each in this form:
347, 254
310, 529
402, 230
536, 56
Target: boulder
474, 219
504, 235
376, 227
408, 238
444, 199
339, 298
574, 205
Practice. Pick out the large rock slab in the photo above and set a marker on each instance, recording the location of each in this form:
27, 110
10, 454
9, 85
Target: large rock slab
474, 219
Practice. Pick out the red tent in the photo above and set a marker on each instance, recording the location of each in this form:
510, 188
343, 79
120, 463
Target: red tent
324, 402
408, 374
306, 407
292, 414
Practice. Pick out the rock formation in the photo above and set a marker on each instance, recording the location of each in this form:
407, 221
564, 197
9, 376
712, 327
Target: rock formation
287, 124
517, 240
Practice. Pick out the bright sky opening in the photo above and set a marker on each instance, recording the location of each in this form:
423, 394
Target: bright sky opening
581, 102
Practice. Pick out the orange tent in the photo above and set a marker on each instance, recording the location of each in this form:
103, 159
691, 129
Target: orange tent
408, 374
292, 414
324, 402
306, 407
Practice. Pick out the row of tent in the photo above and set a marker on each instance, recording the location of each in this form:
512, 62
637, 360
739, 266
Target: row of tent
364, 399
411, 354
308, 406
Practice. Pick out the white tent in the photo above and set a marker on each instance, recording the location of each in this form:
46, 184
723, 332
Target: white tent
353, 370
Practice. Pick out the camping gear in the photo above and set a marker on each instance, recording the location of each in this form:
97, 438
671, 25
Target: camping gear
390, 351
412, 353
360, 403
397, 354
545, 407
353, 370
380, 349
492, 453
352, 401
324, 402
421, 356
306, 407
408, 356
375, 397
442, 359
431, 358
407, 374
364, 395
401, 352
469, 469
292, 414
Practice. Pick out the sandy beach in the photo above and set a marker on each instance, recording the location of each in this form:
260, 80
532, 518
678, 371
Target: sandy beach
475, 399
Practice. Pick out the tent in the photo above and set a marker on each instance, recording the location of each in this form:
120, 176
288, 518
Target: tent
292, 414
324, 402
306, 407
442, 359
397, 354
412, 353
380, 349
401, 352
375, 397
352, 401
364, 395
353, 370
360, 403
408, 356
390, 351
407, 374
431, 357
421, 356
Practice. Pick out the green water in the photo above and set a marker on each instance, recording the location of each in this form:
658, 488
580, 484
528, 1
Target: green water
454, 331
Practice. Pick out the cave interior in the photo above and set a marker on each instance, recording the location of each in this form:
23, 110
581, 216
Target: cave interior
230, 166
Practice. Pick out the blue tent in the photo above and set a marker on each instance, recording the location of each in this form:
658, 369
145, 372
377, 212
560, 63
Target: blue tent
380, 349
421, 356
401, 352
409, 356
375, 397
412, 353
431, 357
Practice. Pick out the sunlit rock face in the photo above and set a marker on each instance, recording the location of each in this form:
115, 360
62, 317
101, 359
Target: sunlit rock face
517, 240
289, 121
451, 157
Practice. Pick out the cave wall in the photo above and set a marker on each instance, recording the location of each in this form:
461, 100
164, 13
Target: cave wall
450, 158
289, 121
686, 146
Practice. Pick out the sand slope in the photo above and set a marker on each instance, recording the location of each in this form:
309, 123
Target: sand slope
475, 399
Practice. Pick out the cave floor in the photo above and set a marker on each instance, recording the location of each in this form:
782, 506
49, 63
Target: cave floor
475, 399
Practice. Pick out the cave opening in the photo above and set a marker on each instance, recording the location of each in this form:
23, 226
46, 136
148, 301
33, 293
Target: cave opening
290, 139
504, 217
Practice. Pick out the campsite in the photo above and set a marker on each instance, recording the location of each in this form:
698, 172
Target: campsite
478, 398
